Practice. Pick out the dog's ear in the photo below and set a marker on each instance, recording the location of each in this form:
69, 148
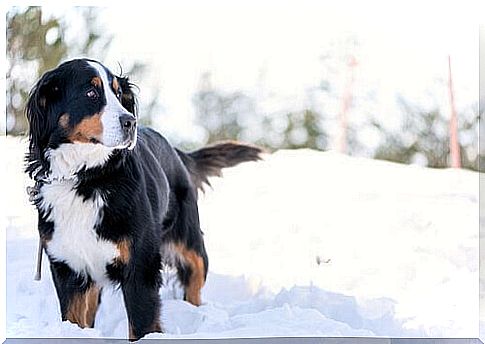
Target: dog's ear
42, 98
39, 111
128, 98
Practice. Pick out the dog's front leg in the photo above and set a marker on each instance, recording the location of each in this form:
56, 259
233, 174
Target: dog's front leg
78, 295
142, 301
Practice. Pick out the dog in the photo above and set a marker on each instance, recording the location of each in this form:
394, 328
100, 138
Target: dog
115, 200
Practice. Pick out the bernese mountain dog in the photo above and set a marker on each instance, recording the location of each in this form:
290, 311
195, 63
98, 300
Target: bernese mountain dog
115, 200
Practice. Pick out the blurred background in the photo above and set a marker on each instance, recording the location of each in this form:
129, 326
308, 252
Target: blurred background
294, 76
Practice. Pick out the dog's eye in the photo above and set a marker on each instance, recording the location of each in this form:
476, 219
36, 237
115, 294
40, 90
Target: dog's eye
93, 94
118, 93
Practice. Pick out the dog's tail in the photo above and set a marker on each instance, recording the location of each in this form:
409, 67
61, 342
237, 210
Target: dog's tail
210, 160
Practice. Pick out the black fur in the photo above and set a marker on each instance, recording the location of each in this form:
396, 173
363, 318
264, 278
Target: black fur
150, 192
208, 161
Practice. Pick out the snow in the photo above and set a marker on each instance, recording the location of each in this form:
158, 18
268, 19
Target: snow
304, 243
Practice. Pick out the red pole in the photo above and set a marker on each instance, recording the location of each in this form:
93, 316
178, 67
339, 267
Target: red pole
454, 145
346, 100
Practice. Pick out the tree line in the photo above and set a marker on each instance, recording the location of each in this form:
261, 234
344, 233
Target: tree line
38, 43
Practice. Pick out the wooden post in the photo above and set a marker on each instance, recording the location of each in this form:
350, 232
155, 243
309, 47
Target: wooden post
454, 144
346, 101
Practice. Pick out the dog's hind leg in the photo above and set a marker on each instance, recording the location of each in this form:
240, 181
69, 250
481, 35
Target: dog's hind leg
185, 243
192, 270
78, 296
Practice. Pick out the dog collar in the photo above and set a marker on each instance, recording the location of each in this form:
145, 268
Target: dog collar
33, 191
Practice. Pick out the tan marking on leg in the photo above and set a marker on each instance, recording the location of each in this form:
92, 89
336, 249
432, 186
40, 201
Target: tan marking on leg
64, 121
88, 129
124, 251
83, 306
131, 334
155, 327
96, 81
197, 276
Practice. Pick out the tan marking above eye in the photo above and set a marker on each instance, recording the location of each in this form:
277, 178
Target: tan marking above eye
115, 85
96, 81
64, 121
42, 101
88, 129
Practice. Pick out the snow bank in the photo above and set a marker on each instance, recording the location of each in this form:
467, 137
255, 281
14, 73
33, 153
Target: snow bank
302, 243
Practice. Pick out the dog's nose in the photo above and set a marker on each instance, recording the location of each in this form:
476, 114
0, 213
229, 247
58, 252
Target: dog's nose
128, 122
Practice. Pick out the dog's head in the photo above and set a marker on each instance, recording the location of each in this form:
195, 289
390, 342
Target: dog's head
81, 105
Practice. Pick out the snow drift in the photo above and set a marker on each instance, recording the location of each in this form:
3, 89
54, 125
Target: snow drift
303, 243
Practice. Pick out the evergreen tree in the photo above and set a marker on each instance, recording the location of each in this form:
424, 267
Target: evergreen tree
424, 135
32, 41
220, 113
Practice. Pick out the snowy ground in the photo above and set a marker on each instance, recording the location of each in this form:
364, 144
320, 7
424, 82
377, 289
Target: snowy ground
303, 243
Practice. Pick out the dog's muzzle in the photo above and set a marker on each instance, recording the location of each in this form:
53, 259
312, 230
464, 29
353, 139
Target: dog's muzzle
128, 126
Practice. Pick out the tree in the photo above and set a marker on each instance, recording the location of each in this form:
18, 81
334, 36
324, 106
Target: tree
30, 43
423, 136
220, 113
302, 129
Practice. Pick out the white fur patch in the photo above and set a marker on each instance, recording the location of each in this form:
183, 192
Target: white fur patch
74, 240
170, 255
69, 158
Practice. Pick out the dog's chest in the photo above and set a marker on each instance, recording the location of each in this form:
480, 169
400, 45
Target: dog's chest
75, 240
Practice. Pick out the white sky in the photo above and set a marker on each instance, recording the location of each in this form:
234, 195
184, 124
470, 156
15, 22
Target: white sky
275, 48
